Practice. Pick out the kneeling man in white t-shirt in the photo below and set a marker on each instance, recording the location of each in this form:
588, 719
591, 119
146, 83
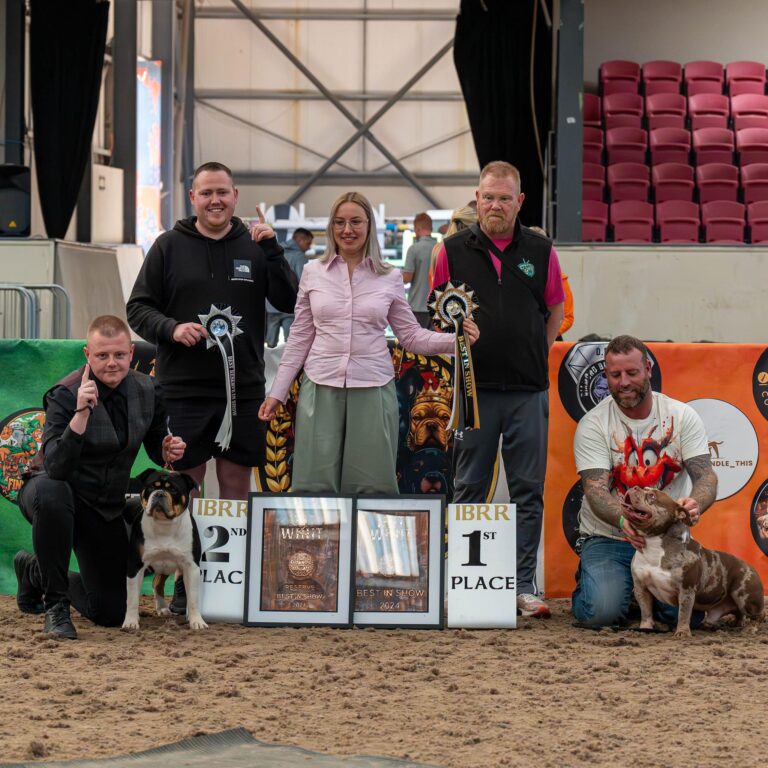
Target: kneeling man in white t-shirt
636, 437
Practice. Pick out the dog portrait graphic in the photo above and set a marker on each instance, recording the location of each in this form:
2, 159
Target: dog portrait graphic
164, 540
430, 414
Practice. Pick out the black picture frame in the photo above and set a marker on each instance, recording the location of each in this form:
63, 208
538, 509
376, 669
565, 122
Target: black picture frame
404, 572
305, 578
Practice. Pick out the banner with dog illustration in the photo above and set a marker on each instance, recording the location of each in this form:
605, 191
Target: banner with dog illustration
726, 384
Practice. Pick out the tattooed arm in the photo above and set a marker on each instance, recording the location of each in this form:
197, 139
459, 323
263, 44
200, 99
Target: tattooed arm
596, 485
704, 488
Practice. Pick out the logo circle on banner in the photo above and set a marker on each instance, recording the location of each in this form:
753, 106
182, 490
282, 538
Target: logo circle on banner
571, 508
581, 379
21, 434
760, 384
732, 442
758, 518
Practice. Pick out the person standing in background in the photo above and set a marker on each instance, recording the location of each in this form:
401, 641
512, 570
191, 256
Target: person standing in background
416, 269
295, 252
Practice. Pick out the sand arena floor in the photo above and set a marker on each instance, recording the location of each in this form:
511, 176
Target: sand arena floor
547, 694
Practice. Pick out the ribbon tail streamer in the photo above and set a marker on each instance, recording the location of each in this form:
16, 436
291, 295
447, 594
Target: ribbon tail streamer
224, 435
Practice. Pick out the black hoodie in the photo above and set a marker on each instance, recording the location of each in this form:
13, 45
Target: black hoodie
186, 272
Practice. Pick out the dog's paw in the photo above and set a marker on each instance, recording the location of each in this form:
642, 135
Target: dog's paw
683, 632
131, 623
196, 622
164, 611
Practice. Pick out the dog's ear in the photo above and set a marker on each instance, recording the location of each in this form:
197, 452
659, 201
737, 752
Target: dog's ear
145, 475
189, 482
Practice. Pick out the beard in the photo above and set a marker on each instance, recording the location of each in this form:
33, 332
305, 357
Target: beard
496, 224
631, 398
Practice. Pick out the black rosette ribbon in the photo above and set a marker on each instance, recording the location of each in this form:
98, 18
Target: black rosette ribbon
450, 304
221, 325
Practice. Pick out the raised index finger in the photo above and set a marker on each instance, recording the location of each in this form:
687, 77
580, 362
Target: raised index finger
262, 220
86, 374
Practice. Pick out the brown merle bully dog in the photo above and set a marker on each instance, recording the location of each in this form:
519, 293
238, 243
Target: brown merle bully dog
677, 570
164, 540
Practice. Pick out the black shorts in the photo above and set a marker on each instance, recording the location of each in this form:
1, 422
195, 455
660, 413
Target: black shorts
196, 420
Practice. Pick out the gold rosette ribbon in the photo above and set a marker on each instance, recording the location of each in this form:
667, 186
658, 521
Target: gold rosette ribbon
450, 304
221, 325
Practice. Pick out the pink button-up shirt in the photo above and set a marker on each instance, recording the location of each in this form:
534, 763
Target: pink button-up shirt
338, 331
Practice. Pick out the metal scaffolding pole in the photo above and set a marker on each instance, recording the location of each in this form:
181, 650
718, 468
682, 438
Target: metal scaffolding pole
163, 33
267, 132
238, 94
362, 128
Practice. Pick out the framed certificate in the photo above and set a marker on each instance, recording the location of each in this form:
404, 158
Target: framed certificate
399, 561
299, 560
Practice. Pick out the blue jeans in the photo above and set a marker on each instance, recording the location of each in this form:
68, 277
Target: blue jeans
604, 586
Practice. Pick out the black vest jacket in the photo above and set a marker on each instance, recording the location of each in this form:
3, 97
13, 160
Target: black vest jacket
104, 469
511, 353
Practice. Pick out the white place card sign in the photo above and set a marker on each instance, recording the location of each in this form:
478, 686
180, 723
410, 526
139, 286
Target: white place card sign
222, 525
482, 563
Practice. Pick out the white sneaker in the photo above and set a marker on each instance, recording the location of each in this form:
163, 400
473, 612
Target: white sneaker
530, 605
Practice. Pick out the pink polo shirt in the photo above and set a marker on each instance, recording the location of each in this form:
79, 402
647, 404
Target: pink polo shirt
553, 292
337, 334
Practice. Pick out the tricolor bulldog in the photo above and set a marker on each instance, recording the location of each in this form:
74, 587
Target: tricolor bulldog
677, 570
164, 540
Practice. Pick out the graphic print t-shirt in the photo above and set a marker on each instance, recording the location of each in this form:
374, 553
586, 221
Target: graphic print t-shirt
638, 452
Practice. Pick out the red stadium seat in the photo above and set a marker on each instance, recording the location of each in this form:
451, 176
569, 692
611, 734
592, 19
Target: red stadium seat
592, 181
752, 145
703, 77
672, 181
665, 110
678, 221
708, 110
661, 77
717, 181
626, 145
745, 77
592, 112
619, 77
592, 145
670, 145
713, 145
594, 221
757, 216
754, 182
628, 181
723, 222
750, 110
623, 109
632, 221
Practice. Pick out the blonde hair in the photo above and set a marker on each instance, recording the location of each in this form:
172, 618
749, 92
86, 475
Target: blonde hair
109, 326
461, 218
372, 250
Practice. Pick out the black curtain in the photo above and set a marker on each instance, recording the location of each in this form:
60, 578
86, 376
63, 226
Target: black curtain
492, 53
67, 42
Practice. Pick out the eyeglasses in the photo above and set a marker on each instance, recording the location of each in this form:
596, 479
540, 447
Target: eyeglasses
354, 223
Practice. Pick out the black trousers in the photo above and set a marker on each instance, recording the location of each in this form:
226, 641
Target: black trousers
61, 524
521, 420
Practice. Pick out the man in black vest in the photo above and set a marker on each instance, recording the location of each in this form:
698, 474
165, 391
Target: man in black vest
96, 419
516, 277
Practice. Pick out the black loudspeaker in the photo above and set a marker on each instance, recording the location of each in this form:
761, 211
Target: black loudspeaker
14, 200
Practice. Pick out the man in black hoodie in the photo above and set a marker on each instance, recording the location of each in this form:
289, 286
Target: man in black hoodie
211, 259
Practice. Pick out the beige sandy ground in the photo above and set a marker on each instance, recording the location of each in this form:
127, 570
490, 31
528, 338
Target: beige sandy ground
547, 694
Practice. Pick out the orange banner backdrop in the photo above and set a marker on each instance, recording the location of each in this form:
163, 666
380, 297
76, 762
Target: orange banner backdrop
727, 384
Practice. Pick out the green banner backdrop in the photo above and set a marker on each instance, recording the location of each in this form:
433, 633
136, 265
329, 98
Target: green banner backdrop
27, 370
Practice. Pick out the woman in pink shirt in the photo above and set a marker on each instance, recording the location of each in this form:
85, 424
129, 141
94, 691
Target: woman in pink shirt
347, 414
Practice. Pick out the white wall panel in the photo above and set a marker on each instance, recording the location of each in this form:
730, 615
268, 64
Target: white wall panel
660, 292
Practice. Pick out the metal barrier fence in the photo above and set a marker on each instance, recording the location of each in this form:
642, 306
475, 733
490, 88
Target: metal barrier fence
40, 311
